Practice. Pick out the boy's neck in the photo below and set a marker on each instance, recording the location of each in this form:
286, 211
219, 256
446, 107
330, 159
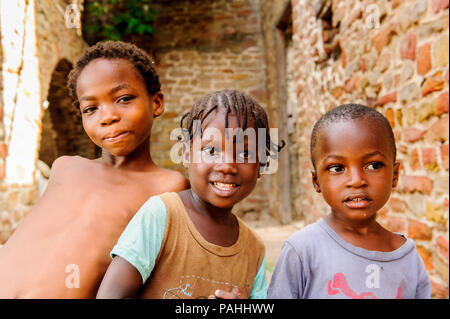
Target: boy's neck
138, 160
360, 227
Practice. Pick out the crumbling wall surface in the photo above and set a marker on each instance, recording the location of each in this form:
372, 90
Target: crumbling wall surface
201, 47
393, 56
34, 37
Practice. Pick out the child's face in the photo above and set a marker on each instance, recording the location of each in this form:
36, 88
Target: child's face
117, 111
355, 169
216, 181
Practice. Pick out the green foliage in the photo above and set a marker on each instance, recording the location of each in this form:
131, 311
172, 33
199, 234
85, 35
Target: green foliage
114, 19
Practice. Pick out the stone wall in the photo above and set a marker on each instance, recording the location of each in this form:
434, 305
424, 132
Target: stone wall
201, 47
393, 56
35, 38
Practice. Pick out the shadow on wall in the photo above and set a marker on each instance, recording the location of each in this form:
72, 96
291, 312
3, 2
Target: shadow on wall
62, 131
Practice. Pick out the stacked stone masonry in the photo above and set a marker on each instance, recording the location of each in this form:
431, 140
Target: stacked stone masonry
391, 55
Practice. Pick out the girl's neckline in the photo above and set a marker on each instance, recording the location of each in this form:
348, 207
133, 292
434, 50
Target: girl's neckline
213, 248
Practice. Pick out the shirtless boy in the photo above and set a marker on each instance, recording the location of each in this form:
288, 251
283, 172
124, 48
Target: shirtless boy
61, 249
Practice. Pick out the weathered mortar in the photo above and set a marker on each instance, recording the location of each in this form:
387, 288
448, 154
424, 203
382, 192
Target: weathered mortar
400, 67
54, 42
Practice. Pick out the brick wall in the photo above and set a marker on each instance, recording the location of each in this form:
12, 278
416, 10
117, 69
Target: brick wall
201, 47
400, 67
53, 43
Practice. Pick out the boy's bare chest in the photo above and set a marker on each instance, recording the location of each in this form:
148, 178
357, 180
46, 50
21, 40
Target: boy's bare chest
107, 194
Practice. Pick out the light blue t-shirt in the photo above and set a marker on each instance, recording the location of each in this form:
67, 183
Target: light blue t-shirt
316, 263
140, 244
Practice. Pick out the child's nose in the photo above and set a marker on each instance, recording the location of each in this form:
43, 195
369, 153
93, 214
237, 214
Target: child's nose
356, 178
109, 116
226, 168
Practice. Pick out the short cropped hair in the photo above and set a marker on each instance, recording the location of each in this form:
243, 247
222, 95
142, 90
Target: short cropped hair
237, 103
116, 50
348, 112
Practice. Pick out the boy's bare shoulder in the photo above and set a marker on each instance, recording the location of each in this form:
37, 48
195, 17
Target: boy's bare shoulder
172, 181
70, 165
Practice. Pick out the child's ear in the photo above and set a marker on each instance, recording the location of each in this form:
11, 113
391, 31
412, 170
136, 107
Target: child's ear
396, 173
314, 181
158, 104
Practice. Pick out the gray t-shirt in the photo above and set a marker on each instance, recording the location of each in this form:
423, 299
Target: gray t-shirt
317, 263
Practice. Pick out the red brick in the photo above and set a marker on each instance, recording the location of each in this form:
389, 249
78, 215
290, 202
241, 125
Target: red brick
427, 257
444, 156
337, 92
435, 83
411, 184
395, 224
2, 169
424, 59
382, 212
343, 57
390, 116
438, 131
429, 158
414, 160
442, 243
383, 37
419, 231
442, 104
391, 97
356, 83
244, 12
438, 5
362, 65
3, 150
408, 47
397, 205
412, 134
438, 291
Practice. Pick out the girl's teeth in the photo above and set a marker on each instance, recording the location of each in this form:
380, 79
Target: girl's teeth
357, 199
223, 186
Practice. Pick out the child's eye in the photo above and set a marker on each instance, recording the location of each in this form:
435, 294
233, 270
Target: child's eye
246, 155
89, 109
210, 151
375, 165
335, 168
126, 98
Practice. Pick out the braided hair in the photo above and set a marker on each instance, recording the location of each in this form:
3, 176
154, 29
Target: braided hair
237, 103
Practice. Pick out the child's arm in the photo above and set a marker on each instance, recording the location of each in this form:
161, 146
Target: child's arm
136, 252
122, 280
287, 278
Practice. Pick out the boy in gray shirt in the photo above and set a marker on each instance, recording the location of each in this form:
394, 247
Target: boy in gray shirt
348, 254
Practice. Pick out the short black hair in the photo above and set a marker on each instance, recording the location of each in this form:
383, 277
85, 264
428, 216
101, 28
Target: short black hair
238, 103
116, 50
348, 112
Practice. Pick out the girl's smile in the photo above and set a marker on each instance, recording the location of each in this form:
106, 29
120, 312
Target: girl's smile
214, 179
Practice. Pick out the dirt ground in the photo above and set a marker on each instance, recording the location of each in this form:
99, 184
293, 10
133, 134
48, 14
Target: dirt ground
273, 234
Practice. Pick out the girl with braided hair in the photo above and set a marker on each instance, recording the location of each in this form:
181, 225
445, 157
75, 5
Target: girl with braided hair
189, 244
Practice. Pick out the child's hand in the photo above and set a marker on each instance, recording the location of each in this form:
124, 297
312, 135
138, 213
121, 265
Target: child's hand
236, 293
